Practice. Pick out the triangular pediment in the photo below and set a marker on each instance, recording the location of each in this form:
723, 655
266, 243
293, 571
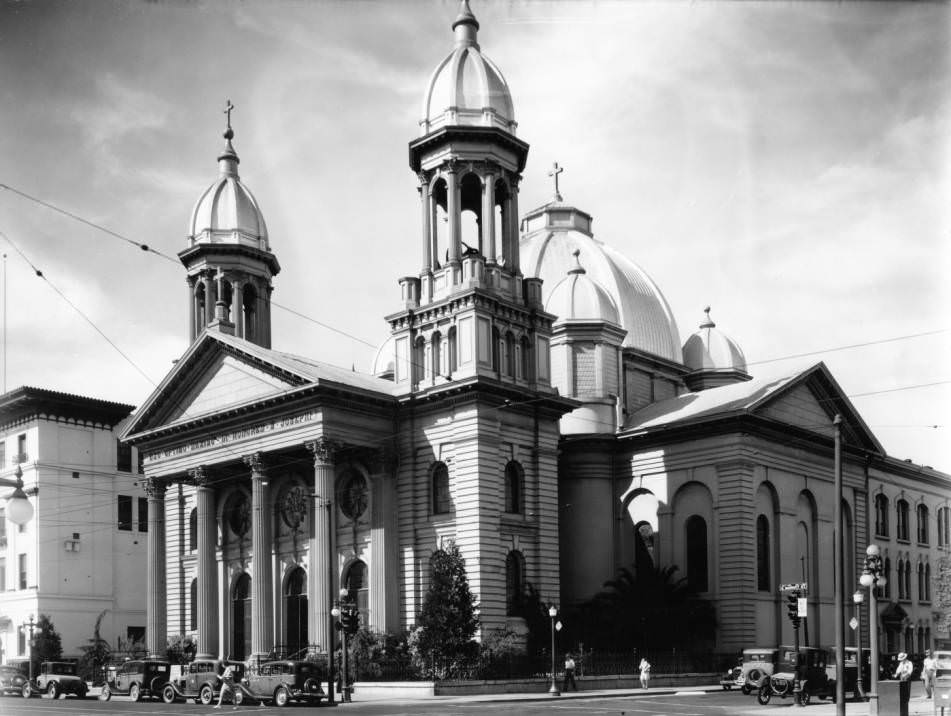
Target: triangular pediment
215, 375
801, 407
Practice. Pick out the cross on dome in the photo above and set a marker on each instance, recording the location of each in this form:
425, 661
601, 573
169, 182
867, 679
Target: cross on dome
555, 171
708, 322
229, 133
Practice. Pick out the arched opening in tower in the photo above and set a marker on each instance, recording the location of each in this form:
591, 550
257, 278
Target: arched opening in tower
440, 224
500, 218
248, 321
470, 220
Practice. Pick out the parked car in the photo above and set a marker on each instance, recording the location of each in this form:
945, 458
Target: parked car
280, 682
758, 663
12, 681
55, 679
801, 675
732, 674
943, 663
136, 679
201, 681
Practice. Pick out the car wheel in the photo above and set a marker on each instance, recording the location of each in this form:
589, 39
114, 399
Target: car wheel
135, 692
168, 694
206, 695
764, 694
746, 689
754, 676
281, 696
27, 691
106, 693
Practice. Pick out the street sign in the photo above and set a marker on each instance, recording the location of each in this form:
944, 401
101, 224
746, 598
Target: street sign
797, 587
854, 623
803, 607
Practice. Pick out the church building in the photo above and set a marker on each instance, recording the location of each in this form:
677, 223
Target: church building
534, 403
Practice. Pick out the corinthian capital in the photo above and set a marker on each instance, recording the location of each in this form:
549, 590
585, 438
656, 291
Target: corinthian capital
324, 450
256, 462
155, 487
200, 476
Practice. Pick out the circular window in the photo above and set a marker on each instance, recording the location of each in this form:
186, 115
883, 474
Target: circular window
352, 495
294, 507
238, 513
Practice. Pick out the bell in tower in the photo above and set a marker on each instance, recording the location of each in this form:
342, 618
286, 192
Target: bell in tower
229, 261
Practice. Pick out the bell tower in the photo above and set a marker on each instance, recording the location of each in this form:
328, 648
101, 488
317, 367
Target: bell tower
228, 258
469, 312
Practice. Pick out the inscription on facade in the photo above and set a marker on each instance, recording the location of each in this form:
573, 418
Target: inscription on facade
232, 437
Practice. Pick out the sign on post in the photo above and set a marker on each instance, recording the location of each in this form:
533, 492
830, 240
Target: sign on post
795, 587
803, 607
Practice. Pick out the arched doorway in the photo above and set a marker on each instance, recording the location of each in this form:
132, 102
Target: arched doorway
295, 609
241, 618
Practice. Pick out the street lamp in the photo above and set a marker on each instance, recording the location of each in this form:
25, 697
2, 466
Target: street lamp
31, 627
19, 510
858, 598
872, 578
552, 613
347, 616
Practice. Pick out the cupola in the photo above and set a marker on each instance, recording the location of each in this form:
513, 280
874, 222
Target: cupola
713, 357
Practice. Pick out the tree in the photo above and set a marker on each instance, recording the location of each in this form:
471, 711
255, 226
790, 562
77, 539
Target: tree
447, 621
95, 655
48, 645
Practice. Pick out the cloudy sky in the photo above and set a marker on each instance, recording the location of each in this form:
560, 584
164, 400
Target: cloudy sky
785, 163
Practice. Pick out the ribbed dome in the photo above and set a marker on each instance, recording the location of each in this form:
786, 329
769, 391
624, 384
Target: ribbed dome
711, 349
467, 88
227, 212
578, 298
555, 231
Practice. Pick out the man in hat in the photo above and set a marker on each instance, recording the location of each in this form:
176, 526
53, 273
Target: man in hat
903, 674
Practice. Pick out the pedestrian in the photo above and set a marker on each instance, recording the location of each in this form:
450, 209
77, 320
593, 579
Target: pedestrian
645, 667
929, 670
569, 673
903, 673
227, 685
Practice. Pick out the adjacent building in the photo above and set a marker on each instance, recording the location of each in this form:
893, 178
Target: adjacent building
83, 553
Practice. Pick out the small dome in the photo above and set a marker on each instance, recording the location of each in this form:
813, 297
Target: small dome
384, 362
227, 212
467, 88
555, 231
578, 298
711, 349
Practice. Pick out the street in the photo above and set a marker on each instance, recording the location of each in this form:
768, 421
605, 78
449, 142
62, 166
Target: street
689, 703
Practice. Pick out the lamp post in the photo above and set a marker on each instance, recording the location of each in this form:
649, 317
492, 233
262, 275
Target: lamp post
31, 627
872, 579
19, 510
552, 613
347, 622
838, 580
858, 598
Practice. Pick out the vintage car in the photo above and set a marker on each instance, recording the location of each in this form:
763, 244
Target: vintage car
12, 681
280, 682
729, 679
55, 679
801, 675
201, 681
137, 678
758, 663
942, 663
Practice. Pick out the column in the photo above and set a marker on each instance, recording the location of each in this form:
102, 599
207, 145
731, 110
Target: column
452, 210
156, 606
425, 198
323, 554
236, 305
206, 279
514, 258
207, 568
193, 305
262, 610
488, 218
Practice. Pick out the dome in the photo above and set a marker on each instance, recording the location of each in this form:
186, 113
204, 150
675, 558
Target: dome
578, 298
711, 349
555, 231
384, 362
467, 88
227, 212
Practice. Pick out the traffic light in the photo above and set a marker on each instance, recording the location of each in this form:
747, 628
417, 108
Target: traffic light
350, 619
792, 608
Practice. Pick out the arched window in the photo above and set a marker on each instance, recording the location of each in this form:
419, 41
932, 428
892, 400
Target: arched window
901, 578
921, 582
908, 579
881, 515
453, 348
193, 605
944, 526
762, 554
249, 301
901, 520
909, 639
513, 487
241, 618
696, 533
887, 573
295, 610
927, 582
514, 582
440, 489
496, 350
419, 360
357, 588
526, 360
510, 354
193, 530
437, 354
922, 514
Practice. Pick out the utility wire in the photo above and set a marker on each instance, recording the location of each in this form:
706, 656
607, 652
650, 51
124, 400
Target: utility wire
854, 345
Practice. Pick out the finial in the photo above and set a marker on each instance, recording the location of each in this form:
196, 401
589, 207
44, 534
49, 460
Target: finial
229, 133
555, 171
577, 268
708, 322
465, 25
